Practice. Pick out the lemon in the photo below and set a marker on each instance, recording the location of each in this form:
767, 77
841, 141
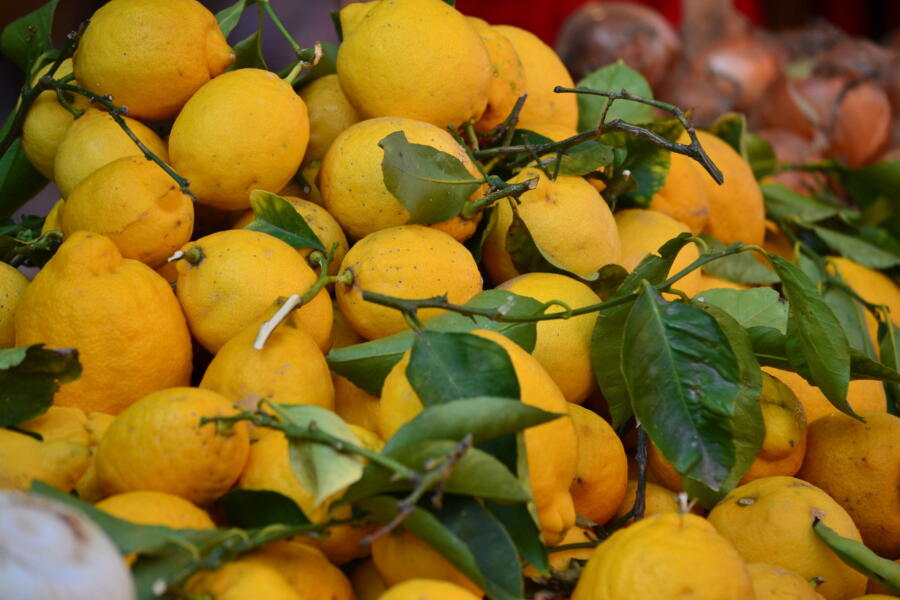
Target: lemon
239, 580
683, 196
329, 114
12, 287
507, 75
156, 508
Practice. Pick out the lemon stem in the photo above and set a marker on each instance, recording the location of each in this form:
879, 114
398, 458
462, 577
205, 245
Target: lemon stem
470, 209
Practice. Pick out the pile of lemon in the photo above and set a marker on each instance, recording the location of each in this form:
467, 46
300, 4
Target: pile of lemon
127, 436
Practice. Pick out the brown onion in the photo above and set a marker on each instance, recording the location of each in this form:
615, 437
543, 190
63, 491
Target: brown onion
749, 64
792, 149
598, 34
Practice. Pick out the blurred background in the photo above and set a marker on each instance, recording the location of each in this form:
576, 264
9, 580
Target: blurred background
820, 65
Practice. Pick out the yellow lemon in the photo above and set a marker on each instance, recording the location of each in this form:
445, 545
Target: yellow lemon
329, 114
566, 218
95, 139
771, 582
134, 203
242, 131
23, 460
657, 500
683, 196
863, 394
156, 508
306, 569
409, 261
227, 279
428, 589
351, 180
12, 287
601, 474
413, 58
151, 56
158, 444
366, 581
122, 317
240, 580
543, 71
507, 75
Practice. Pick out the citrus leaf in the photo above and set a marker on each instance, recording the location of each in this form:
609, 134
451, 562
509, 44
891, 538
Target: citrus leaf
614, 77
732, 128
882, 176
857, 250
890, 356
756, 307
327, 65
447, 366
276, 216
739, 268
851, 314
524, 532
248, 53
259, 508
24, 39
585, 158
858, 556
431, 184
321, 469
683, 379
430, 529
814, 335
19, 180
368, 363
490, 544
228, 18
29, 377
783, 204
747, 427
760, 155
646, 164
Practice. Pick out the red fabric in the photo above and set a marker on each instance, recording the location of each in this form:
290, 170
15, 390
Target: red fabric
545, 17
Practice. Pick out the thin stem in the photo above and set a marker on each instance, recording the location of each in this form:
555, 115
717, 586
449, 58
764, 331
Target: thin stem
640, 494
473, 137
515, 189
575, 546
281, 28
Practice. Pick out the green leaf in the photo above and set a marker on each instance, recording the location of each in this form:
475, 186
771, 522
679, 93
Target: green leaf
321, 469
327, 65
815, 335
228, 17
431, 184
613, 78
477, 474
851, 314
483, 418
732, 128
522, 527
527, 256
368, 363
29, 376
889, 348
248, 53
882, 176
785, 205
760, 155
259, 508
450, 2
739, 268
26, 38
609, 279
276, 216
585, 158
427, 527
756, 307
19, 180
857, 555
446, 366
747, 427
857, 250
683, 379
646, 163
490, 544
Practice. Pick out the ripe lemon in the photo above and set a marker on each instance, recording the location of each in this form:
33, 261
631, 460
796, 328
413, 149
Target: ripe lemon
683, 196
771, 582
94, 140
863, 394
428, 589
122, 317
269, 468
290, 369
711, 282
321, 222
242, 131
351, 180
872, 286
366, 581
52, 222
46, 122
563, 346
151, 56
543, 71
134, 203
858, 464
239, 580
783, 447
507, 75
306, 569
657, 500
156, 508
665, 556
551, 447
409, 261
229, 278
642, 232
329, 114
601, 474
736, 211
413, 58
567, 219
401, 556
158, 444
770, 520
12, 287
